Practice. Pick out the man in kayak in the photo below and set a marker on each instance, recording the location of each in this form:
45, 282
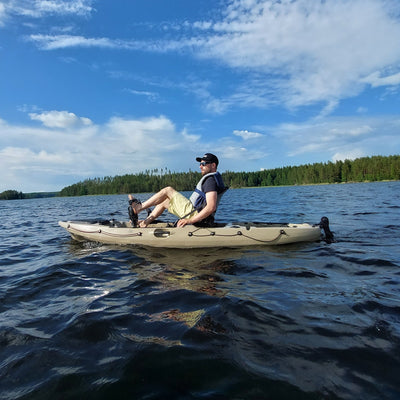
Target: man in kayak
201, 206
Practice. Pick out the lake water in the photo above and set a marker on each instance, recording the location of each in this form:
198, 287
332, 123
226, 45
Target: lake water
306, 321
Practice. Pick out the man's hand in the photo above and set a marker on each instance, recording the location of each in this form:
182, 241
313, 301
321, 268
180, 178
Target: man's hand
182, 222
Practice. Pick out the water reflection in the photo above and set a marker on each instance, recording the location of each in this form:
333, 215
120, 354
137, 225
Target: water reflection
172, 269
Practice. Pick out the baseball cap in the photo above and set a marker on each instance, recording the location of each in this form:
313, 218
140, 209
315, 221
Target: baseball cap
208, 157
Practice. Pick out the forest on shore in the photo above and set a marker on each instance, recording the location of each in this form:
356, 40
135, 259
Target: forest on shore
15, 195
376, 168
366, 169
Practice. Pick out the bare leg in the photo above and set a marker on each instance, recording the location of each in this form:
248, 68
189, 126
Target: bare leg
161, 200
158, 210
160, 197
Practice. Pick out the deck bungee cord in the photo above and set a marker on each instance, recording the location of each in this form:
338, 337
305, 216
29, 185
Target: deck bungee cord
238, 233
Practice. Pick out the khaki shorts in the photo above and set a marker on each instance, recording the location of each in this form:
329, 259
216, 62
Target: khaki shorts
182, 207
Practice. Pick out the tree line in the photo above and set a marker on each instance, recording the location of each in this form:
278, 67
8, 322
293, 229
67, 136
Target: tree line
15, 195
376, 168
11, 195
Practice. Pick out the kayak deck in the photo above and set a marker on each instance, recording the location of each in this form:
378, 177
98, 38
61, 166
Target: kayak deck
165, 235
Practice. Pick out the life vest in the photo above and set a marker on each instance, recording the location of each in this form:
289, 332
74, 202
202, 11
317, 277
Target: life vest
198, 197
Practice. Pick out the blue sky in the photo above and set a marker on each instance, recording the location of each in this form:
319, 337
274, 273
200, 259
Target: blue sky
94, 88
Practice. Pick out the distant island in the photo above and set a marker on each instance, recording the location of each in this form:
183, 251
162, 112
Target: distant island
366, 169
15, 195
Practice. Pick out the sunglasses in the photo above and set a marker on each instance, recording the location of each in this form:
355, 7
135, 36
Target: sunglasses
204, 163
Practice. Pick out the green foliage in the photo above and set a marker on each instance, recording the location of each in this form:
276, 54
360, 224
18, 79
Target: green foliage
375, 168
40, 195
11, 195
144, 182
14, 195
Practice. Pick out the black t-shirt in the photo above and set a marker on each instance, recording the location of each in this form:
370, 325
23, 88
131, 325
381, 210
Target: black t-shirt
209, 185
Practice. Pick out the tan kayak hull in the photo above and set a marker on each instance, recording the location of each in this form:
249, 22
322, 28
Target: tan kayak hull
163, 235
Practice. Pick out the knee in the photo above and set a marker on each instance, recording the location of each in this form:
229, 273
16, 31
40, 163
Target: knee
169, 191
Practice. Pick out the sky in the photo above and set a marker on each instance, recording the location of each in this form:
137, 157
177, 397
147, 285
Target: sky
95, 88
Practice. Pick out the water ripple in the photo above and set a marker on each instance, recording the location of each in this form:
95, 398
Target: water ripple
309, 321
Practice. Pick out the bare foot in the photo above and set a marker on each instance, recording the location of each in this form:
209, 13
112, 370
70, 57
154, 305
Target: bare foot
135, 204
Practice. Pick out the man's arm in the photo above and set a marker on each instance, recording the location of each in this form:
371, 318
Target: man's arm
211, 207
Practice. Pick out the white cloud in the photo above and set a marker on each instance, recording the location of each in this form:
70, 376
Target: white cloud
333, 138
294, 53
53, 42
31, 157
3, 14
60, 119
235, 157
313, 51
350, 131
152, 96
190, 137
77, 7
376, 80
349, 155
246, 135
39, 159
41, 8
51, 157
216, 106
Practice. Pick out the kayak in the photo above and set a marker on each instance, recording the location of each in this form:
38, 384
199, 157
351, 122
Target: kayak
166, 235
